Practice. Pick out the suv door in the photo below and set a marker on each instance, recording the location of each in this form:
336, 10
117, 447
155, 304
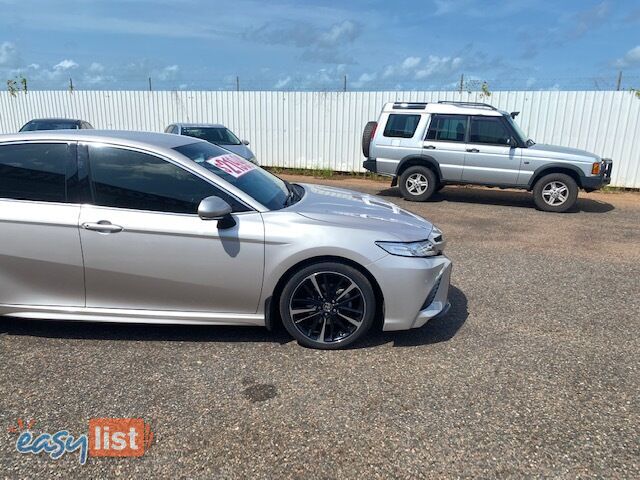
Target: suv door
445, 142
400, 138
146, 248
40, 254
492, 156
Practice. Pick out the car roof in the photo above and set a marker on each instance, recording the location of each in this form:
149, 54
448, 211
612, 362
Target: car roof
453, 108
116, 137
197, 125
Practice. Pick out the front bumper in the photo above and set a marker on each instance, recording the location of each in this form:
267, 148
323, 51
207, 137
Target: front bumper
599, 181
415, 290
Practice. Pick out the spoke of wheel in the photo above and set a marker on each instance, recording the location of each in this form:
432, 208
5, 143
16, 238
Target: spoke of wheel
314, 281
349, 309
302, 310
307, 317
353, 322
346, 290
348, 299
321, 335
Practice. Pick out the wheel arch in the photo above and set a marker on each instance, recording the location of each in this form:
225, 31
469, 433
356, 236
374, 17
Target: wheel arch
571, 170
419, 160
272, 316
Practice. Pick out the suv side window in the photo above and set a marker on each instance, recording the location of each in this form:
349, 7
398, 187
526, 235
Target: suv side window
124, 178
489, 130
447, 128
35, 171
169, 129
403, 126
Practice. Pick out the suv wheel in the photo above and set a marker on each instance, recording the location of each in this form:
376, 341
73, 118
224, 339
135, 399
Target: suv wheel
328, 305
556, 192
418, 183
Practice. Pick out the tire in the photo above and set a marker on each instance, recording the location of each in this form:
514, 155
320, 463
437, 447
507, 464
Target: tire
367, 135
556, 192
316, 299
427, 183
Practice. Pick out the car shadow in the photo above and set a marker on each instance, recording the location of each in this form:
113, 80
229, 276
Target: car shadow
438, 330
496, 196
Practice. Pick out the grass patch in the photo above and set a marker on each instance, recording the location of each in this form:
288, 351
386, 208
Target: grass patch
610, 189
326, 173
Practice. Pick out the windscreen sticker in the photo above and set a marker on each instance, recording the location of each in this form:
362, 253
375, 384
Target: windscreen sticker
232, 164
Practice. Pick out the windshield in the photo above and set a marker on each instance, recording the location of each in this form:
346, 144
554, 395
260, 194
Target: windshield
261, 185
523, 136
50, 125
217, 135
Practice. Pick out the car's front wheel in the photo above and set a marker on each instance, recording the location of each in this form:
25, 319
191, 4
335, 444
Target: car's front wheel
418, 183
328, 305
556, 192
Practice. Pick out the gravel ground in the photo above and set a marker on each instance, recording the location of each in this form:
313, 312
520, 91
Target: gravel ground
534, 373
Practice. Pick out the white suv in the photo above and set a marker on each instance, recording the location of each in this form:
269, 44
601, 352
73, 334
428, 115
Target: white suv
425, 146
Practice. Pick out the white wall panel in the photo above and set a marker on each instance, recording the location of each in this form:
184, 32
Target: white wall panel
323, 129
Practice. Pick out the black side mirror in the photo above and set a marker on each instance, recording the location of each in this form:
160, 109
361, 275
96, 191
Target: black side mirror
245, 142
214, 208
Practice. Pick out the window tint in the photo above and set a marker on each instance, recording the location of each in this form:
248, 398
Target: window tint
34, 171
50, 125
127, 179
488, 130
403, 126
447, 128
216, 135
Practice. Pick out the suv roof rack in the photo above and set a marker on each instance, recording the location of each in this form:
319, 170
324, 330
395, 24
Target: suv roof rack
469, 104
409, 105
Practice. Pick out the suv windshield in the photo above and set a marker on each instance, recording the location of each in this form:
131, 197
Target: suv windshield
217, 135
523, 136
261, 185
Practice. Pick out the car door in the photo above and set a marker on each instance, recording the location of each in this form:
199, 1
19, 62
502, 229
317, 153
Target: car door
445, 142
400, 138
146, 248
40, 254
492, 157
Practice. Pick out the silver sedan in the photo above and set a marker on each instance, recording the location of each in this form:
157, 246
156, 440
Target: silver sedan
155, 228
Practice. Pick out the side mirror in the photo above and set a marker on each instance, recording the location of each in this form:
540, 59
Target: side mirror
512, 142
213, 208
245, 142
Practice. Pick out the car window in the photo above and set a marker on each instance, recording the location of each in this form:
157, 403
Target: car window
490, 130
447, 128
256, 182
168, 129
124, 178
403, 126
50, 125
35, 171
217, 135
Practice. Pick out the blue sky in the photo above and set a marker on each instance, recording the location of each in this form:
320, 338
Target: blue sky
312, 44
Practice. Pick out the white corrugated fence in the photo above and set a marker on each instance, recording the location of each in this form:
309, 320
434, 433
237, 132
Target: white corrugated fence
323, 129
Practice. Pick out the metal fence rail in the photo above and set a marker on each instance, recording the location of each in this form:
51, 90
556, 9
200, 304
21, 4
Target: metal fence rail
323, 129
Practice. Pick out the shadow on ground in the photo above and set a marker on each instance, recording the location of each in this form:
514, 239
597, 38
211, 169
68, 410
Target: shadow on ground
507, 198
438, 330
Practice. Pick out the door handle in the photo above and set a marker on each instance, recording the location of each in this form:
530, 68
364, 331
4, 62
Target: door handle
473, 150
103, 226
430, 147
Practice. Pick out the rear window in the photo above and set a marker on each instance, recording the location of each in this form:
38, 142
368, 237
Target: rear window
216, 135
50, 125
403, 126
447, 128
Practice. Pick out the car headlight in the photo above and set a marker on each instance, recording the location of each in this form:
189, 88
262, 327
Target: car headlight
430, 247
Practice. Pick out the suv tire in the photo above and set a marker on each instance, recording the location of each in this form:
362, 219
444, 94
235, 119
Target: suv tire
556, 192
418, 183
369, 131
321, 298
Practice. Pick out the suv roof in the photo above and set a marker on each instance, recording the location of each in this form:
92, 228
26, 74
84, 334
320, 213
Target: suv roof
444, 106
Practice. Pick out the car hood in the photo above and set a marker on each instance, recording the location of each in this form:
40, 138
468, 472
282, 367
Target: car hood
361, 211
554, 151
241, 150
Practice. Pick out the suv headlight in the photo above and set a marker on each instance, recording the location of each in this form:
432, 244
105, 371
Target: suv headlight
430, 247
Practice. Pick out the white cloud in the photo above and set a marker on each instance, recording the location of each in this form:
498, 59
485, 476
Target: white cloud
339, 33
632, 57
168, 73
96, 67
65, 65
364, 79
34, 66
282, 83
437, 66
531, 81
8, 53
411, 62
